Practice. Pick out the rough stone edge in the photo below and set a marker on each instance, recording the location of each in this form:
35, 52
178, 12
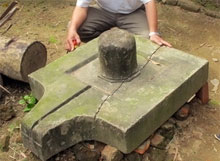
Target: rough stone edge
144, 120
33, 140
131, 145
37, 88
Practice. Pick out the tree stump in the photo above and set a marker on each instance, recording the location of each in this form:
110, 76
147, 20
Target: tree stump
18, 58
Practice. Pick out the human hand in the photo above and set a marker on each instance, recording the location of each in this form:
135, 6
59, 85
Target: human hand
158, 40
72, 41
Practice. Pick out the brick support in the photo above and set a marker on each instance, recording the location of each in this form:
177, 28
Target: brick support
203, 93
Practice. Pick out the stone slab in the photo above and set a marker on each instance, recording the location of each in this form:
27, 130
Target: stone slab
76, 105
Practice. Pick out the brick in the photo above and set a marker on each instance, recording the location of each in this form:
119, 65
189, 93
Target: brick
143, 147
157, 140
203, 93
183, 112
110, 153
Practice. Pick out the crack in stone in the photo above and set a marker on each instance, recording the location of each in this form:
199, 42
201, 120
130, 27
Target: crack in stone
149, 59
101, 104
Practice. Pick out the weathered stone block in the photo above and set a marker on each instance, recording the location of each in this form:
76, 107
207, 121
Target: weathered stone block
76, 105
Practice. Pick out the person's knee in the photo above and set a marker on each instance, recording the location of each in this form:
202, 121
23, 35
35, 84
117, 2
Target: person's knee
140, 32
87, 34
143, 34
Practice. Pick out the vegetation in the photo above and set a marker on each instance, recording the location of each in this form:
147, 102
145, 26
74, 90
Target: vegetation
29, 102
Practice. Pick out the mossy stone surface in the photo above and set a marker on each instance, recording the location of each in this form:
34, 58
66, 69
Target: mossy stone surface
77, 105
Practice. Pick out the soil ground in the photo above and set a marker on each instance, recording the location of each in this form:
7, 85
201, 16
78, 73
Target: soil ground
194, 33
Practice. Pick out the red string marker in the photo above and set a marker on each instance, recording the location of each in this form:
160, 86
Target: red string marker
75, 44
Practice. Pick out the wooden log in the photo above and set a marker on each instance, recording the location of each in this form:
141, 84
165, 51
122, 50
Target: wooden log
18, 58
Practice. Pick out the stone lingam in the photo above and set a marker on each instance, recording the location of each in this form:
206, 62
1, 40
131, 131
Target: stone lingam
99, 92
117, 55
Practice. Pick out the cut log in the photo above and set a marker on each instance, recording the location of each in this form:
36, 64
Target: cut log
1, 84
18, 58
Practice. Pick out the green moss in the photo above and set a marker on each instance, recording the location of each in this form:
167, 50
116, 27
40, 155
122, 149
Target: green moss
55, 94
214, 103
53, 40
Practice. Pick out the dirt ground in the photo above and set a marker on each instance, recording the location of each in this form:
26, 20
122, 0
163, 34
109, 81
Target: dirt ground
194, 33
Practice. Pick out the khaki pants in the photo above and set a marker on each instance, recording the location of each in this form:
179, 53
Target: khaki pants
100, 20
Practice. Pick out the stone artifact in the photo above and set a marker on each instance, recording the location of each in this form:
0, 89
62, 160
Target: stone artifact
117, 55
75, 104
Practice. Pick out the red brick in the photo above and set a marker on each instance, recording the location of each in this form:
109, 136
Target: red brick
110, 153
157, 140
183, 112
203, 93
143, 147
